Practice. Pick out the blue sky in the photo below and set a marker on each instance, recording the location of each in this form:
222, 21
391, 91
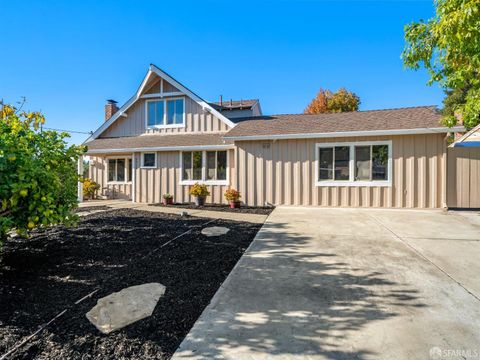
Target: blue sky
68, 57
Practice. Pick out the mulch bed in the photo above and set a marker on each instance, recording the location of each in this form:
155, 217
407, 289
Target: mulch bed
41, 276
263, 210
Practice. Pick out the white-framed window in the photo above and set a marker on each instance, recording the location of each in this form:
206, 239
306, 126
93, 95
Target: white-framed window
365, 163
210, 167
168, 112
119, 170
149, 160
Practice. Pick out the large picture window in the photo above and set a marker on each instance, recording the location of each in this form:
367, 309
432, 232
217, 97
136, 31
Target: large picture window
165, 113
204, 166
120, 170
354, 164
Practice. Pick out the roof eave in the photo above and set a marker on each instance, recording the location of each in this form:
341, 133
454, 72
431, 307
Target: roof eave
160, 148
466, 135
346, 134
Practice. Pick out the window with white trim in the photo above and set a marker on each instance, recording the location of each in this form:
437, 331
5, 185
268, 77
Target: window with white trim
204, 166
371, 163
120, 170
354, 164
165, 113
149, 160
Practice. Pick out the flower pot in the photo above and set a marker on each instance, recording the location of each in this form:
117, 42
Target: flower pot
200, 200
168, 201
235, 204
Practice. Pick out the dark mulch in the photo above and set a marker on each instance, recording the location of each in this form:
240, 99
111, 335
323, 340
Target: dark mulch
261, 210
42, 275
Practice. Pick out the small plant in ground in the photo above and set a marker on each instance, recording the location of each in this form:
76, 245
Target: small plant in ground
200, 191
90, 188
233, 197
167, 199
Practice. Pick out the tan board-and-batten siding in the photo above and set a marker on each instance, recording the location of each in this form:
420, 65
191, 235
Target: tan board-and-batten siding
151, 184
283, 172
196, 120
98, 172
463, 177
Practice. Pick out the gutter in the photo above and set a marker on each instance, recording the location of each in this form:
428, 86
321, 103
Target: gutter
161, 148
347, 134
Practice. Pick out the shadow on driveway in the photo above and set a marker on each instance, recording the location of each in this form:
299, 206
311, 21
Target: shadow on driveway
292, 297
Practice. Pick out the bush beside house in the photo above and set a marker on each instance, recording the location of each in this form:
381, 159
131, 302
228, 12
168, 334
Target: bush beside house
38, 173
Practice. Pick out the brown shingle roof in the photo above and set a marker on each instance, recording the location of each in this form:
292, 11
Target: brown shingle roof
234, 104
155, 141
392, 119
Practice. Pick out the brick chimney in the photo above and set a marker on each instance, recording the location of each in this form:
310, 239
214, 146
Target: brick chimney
110, 109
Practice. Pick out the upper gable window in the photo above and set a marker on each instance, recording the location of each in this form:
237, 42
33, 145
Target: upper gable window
165, 113
175, 111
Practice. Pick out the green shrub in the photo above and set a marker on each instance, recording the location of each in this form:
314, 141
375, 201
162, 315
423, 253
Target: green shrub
38, 173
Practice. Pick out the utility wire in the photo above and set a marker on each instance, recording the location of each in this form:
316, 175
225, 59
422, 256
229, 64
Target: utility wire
69, 131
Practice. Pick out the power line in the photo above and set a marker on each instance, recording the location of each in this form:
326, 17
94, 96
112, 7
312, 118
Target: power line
69, 131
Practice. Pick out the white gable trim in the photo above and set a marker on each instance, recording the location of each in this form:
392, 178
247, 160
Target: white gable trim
466, 135
120, 112
192, 95
155, 70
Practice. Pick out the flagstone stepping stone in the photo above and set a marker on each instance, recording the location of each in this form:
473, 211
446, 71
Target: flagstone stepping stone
215, 231
125, 307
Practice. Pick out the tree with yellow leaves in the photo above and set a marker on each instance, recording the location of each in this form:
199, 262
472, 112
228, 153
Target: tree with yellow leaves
38, 173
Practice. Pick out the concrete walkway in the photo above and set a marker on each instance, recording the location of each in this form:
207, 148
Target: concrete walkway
125, 204
348, 284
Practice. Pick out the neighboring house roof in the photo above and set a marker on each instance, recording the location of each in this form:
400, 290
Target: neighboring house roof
234, 104
424, 119
156, 143
469, 139
151, 71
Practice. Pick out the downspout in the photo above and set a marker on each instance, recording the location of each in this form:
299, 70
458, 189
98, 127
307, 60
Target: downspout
445, 172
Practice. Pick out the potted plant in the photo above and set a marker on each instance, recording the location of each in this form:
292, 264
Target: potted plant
167, 199
233, 197
90, 188
200, 192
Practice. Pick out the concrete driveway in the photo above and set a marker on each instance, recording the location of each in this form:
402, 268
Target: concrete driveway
349, 283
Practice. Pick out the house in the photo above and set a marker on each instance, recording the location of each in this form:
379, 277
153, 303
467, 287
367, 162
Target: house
469, 139
165, 138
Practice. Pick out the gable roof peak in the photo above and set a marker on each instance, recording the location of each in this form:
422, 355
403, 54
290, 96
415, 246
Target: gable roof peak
153, 69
